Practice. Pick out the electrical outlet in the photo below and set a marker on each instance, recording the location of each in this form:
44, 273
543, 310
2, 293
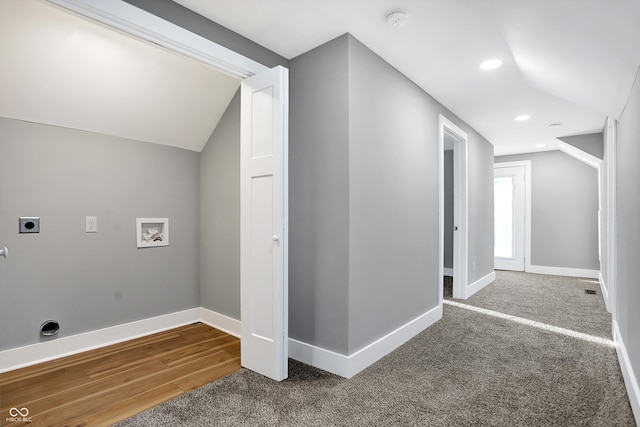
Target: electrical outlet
91, 224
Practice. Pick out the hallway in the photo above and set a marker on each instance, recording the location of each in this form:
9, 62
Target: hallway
470, 368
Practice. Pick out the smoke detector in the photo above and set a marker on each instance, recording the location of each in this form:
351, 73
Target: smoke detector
397, 19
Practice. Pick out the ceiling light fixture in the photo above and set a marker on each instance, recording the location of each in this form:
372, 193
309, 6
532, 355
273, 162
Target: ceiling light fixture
397, 19
523, 118
540, 145
491, 64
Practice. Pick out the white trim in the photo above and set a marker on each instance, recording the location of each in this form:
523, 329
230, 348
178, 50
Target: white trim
220, 321
461, 206
527, 207
480, 283
20, 357
563, 271
610, 254
146, 26
447, 271
605, 292
630, 379
579, 155
348, 366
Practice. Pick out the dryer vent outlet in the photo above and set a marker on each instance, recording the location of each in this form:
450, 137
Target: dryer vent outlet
49, 328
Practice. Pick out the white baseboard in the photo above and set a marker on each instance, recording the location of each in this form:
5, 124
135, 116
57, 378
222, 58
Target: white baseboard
348, 366
20, 357
448, 271
220, 321
630, 379
480, 283
561, 271
605, 293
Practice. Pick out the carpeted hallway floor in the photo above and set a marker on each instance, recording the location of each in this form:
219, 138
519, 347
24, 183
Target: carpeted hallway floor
470, 368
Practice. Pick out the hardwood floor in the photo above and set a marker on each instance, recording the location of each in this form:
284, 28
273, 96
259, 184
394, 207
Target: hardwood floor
104, 386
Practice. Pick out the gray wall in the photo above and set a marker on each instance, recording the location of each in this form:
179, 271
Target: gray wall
220, 216
186, 18
92, 281
628, 227
393, 209
591, 143
364, 198
564, 210
319, 197
448, 209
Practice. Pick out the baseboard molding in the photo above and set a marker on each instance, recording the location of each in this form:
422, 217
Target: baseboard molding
480, 283
66, 346
220, 321
561, 271
630, 379
348, 366
605, 293
448, 271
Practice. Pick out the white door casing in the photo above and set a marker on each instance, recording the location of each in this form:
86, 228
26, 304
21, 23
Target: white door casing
264, 234
514, 178
461, 221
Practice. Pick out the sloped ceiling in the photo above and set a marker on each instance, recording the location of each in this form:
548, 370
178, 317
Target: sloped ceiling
60, 69
565, 61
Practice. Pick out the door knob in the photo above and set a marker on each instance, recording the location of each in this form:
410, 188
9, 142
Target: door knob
275, 238
4, 252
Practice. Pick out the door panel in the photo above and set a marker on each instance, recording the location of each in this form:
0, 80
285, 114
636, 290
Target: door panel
264, 192
509, 218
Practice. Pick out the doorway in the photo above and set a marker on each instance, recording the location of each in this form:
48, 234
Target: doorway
264, 179
510, 232
454, 139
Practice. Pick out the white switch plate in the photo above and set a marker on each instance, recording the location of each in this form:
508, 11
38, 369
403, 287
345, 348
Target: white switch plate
92, 224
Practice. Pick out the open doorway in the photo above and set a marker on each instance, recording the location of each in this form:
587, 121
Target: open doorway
266, 111
454, 163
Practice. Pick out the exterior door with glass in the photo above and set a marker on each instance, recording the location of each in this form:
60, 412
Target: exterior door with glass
509, 217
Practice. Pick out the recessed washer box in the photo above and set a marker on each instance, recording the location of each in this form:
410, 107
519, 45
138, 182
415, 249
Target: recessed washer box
29, 224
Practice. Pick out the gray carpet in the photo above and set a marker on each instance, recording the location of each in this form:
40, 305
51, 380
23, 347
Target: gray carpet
469, 369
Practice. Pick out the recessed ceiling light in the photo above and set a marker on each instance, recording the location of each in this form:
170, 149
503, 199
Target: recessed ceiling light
523, 118
491, 64
555, 125
540, 145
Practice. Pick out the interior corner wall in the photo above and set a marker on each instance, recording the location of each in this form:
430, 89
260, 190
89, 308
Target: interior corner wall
89, 281
319, 197
564, 210
627, 298
220, 216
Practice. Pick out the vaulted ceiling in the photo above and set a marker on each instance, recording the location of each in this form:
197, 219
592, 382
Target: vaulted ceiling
566, 62
63, 70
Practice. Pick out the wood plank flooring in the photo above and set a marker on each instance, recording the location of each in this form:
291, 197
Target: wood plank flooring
107, 385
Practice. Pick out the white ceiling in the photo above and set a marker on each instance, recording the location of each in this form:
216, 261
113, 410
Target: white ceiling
565, 61
59, 69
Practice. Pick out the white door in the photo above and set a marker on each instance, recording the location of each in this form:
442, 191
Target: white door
263, 211
509, 217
